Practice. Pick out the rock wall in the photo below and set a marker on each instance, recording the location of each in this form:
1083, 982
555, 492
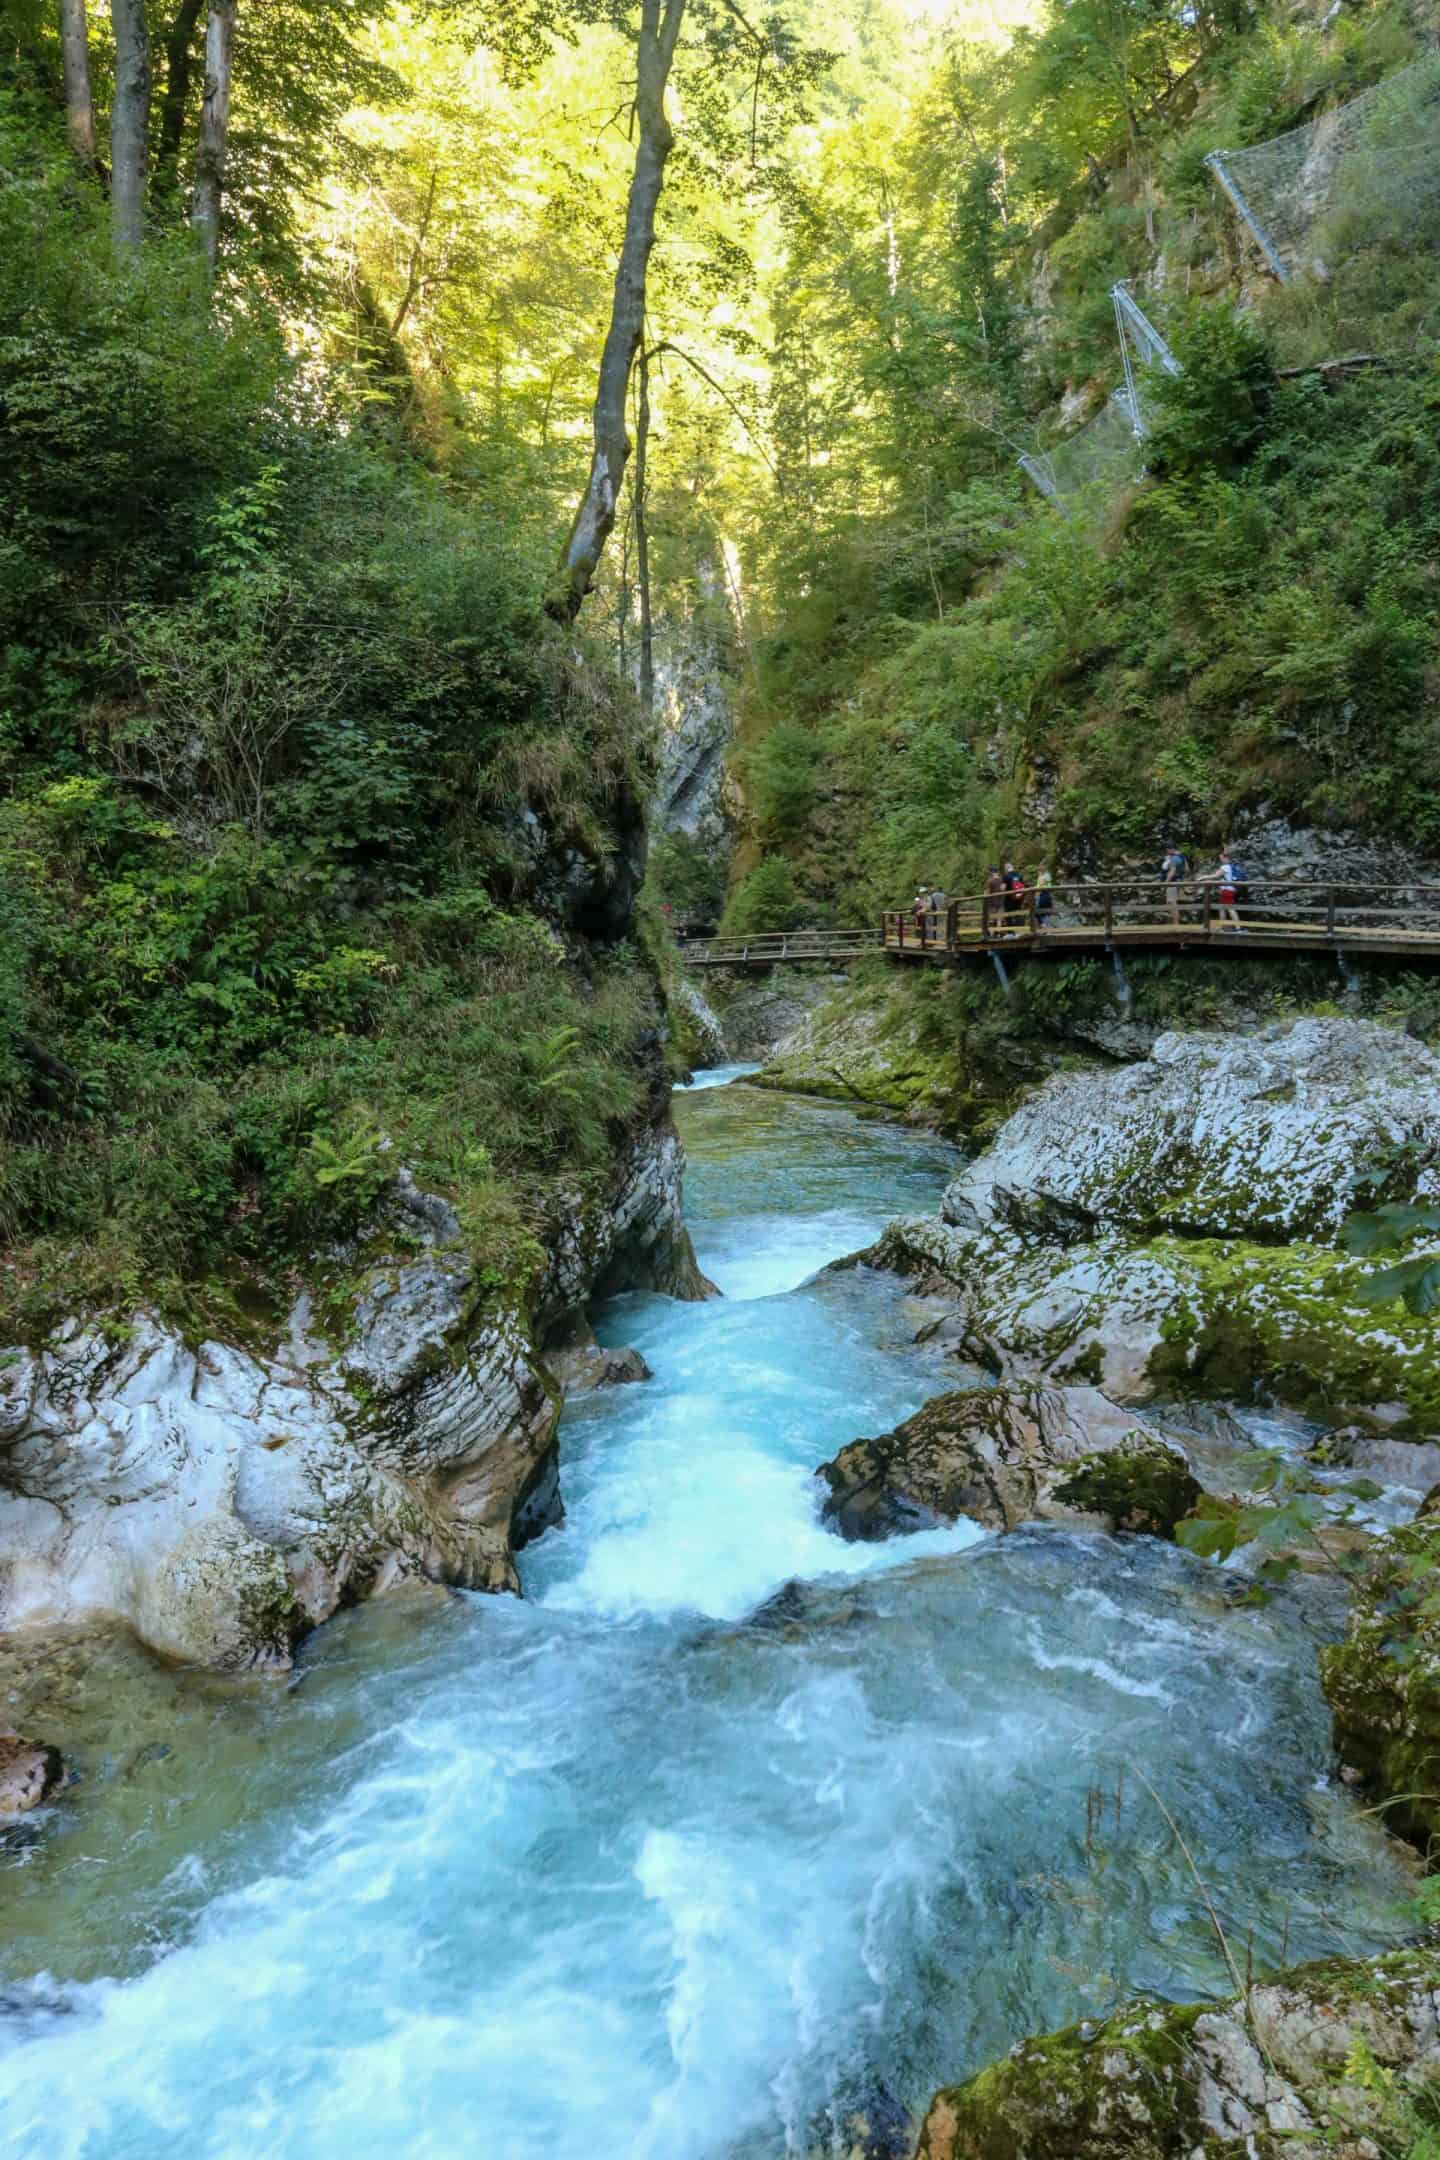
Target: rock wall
762, 1015
695, 700
222, 1501
858, 1041
1383, 1681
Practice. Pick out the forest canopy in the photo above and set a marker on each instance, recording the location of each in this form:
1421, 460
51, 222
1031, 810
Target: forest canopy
384, 387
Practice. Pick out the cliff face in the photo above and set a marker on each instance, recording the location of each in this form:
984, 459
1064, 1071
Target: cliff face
694, 692
222, 1501
222, 1493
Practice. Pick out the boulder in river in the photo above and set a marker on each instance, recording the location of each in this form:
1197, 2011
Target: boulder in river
1168, 1231
1007, 1455
30, 1771
1269, 2076
1210, 1136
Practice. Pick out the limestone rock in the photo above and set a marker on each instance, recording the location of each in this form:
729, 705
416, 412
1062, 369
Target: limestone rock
855, 1049
29, 1773
1262, 2078
579, 1363
1211, 1136
761, 1015
700, 1032
1383, 1681
1162, 1319
221, 1502
695, 686
1004, 1456
636, 1241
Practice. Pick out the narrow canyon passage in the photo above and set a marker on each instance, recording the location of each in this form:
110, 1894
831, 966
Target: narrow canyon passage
729, 1826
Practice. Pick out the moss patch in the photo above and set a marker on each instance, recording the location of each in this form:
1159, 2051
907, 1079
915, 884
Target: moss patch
1143, 1486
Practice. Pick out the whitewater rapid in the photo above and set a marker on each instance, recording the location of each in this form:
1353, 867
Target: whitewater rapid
728, 1825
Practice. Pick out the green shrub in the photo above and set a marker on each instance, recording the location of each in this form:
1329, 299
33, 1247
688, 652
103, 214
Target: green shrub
1213, 413
768, 899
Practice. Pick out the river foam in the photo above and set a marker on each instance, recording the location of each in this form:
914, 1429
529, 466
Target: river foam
728, 1822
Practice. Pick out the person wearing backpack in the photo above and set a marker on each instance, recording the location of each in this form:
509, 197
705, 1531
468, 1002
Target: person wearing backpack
1231, 878
1173, 870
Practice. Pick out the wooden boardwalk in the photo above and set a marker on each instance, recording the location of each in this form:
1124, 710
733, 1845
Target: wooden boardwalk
1398, 920
780, 948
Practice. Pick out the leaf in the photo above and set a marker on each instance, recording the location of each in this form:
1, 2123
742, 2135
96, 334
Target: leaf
1387, 1229
1212, 1532
1364, 1489
1415, 1281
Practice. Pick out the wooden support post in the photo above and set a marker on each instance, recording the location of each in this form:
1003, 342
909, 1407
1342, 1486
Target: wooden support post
1205, 910
1030, 912
985, 920
952, 926
1330, 911
1109, 913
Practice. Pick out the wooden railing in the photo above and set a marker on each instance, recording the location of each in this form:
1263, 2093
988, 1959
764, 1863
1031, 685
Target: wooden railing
777, 948
1270, 913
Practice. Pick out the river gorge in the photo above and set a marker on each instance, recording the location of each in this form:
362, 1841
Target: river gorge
728, 1836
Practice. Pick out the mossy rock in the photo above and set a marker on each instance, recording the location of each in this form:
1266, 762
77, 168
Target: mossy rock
1142, 1486
1383, 1681
1264, 2076
1003, 1456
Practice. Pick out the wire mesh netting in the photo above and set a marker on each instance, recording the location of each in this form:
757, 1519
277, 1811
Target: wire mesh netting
1100, 456
1367, 171
1346, 211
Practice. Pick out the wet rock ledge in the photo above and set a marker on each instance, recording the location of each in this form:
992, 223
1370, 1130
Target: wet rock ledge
1009, 1455
221, 1502
1337, 2061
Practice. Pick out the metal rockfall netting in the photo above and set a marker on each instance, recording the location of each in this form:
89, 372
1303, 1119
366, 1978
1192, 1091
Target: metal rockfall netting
1366, 172
1097, 458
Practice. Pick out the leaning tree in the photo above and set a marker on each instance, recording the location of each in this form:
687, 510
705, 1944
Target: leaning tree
736, 63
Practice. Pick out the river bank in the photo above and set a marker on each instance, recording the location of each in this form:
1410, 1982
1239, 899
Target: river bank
730, 1832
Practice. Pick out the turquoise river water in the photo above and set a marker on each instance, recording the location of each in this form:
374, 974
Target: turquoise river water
724, 1827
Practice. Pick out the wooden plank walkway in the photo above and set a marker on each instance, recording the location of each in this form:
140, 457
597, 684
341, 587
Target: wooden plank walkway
1401, 920
780, 948
1397, 920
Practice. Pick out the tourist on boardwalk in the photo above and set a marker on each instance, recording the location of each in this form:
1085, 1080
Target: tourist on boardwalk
1044, 897
1228, 881
1014, 897
1173, 870
994, 897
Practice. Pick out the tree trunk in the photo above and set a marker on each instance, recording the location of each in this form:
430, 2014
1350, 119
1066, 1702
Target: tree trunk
129, 125
642, 541
214, 127
175, 104
79, 105
595, 518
